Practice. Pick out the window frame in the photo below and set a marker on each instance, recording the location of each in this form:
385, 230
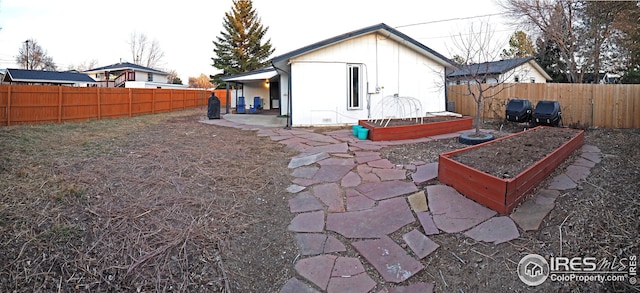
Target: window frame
149, 76
354, 104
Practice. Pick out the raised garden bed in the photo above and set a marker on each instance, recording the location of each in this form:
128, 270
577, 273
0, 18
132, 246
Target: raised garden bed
500, 173
399, 129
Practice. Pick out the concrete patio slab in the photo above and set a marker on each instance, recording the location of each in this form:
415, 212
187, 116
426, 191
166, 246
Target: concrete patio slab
496, 230
452, 212
390, 260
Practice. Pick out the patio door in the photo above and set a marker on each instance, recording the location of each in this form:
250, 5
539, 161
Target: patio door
274, 95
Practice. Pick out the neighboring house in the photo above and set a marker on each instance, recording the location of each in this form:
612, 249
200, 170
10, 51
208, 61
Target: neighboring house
41, 77
129, 75
602, 78
518, 70
373, 72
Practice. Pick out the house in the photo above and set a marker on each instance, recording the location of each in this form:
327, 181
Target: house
129, 75
42, 77
371, 73
504, 71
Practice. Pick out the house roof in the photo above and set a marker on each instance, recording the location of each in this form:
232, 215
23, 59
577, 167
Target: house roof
496, 67
41, 76
258, 74
127, 66
379, 28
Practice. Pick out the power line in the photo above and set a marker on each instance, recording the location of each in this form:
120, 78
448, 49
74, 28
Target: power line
451, 19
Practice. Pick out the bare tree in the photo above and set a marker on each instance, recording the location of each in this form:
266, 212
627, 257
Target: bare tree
144, 52
173, 77
84, 66
201, 81
31, 56
478, 48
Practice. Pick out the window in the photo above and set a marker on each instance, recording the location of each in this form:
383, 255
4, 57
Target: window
149, 76
516, 79
533, 80
458, 82
354, 86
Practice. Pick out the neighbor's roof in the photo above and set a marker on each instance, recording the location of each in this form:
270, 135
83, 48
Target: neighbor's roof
127, 66
41, 76
379, 28
258, 74
496, 67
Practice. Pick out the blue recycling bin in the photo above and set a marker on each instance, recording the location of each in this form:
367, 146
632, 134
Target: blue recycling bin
241, 106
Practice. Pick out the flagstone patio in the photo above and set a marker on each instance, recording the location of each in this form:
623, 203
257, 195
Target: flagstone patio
346, 195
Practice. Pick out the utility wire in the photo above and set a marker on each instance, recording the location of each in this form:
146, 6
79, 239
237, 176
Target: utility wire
451, 19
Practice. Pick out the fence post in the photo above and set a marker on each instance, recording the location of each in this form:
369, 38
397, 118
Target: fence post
99, 104
9, 106
130, 102
59, 104
153, 102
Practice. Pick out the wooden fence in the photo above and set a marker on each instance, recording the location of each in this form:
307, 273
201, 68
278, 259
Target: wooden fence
31, 104
582, 105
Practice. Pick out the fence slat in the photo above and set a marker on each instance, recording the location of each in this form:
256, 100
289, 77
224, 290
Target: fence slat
583, 105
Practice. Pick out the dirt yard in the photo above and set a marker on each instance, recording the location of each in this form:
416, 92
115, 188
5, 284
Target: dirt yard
165, 203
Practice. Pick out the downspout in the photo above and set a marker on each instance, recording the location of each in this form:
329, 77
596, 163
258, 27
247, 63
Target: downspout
446, 90
289, 118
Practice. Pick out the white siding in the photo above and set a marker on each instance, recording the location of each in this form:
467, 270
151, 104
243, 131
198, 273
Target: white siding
319, 88
524, 72
253, 89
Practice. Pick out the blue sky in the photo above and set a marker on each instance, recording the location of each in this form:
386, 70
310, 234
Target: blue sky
76, 31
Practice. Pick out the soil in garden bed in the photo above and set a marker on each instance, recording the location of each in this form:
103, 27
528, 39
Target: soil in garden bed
508, 157
410, 121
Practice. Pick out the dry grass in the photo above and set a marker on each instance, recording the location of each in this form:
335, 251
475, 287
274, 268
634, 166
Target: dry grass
140, 204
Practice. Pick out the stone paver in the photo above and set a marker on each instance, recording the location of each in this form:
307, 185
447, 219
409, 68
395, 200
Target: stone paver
425, 173
306, 160
390, 174
332, 244
533, 210
311, 243
593, 157
332, 173
413, 288
357, 202
304, 182
562, 182
296, 286
295, 188
389, 216
452, 212
304, 202
390, 260
418, 202
338, 161
577, 173
584, 162
305, 172
496, 230
426, 220
386, 189
351, 180
420, 244
347, 267
587, 148
308, 222
331, 195
353, 284
317, 269
331, 148
382, 164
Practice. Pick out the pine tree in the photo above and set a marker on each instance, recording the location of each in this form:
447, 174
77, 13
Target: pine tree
240, 49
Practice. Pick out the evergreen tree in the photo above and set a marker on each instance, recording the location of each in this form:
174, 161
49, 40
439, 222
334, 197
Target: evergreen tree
240, 49
520, 46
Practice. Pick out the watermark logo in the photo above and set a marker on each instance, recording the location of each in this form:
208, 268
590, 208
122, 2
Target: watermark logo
533, 269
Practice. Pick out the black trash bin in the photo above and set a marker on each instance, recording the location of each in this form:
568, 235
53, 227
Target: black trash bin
213, 111
518, 110
547, 113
